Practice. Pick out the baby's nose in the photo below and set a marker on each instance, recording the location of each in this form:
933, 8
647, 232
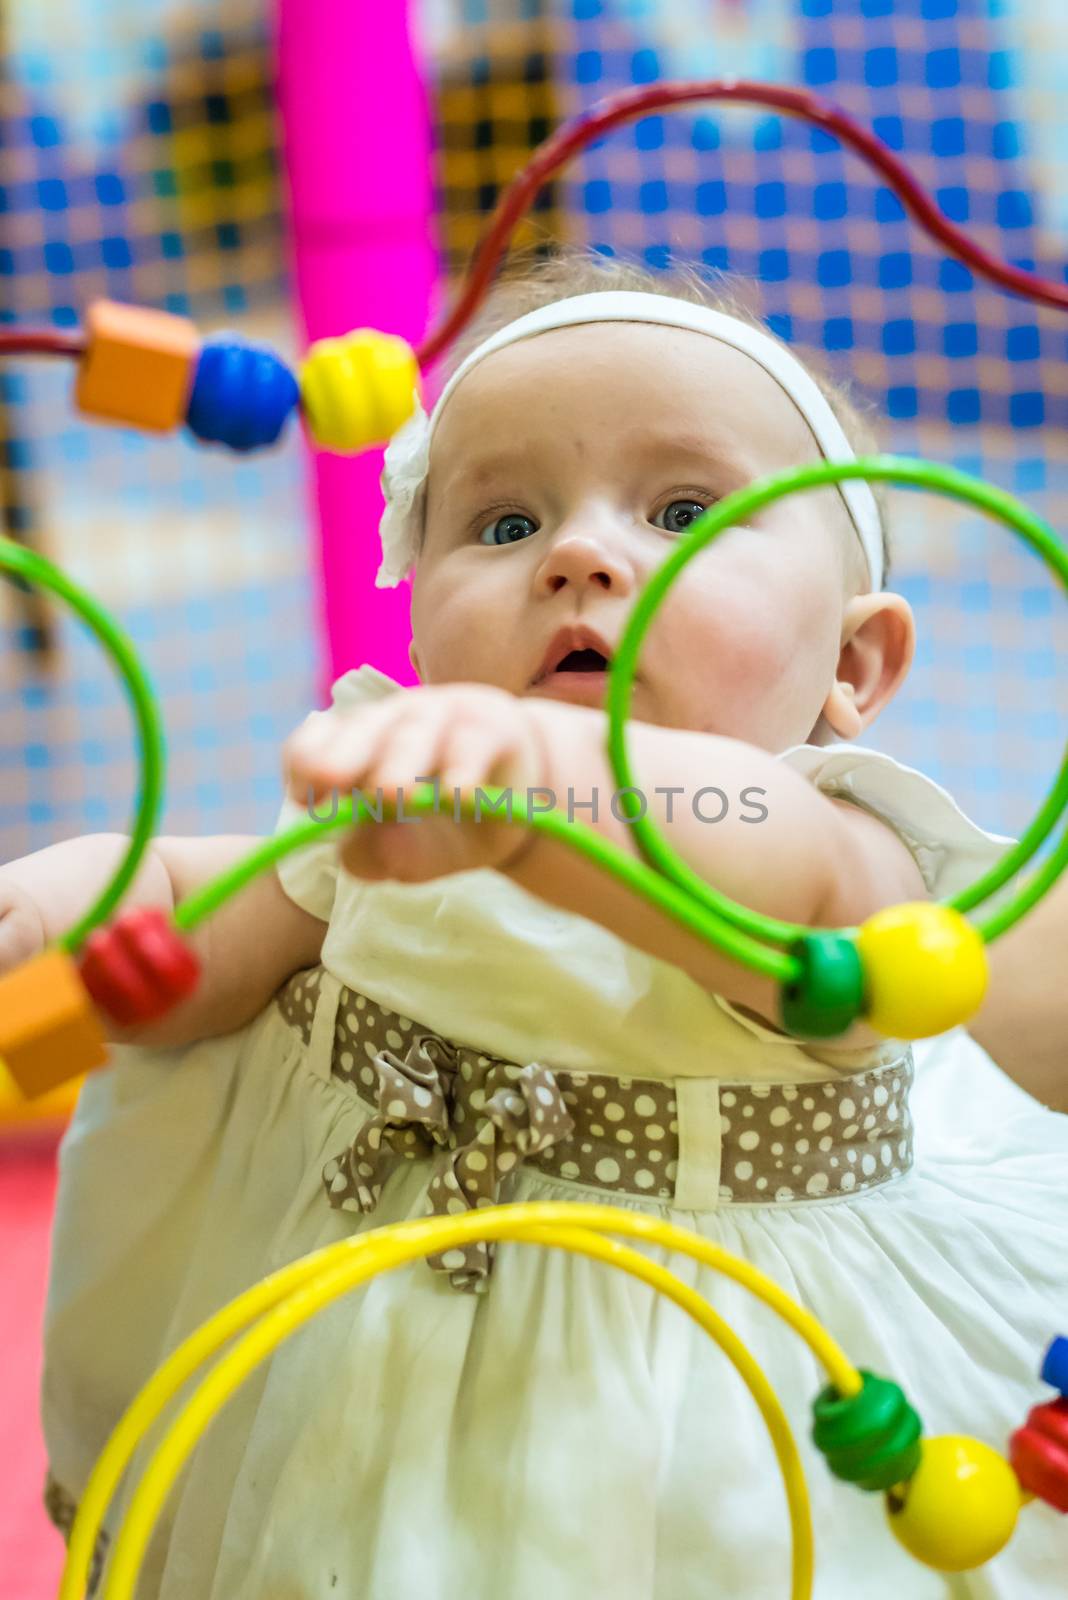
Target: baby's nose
585, 556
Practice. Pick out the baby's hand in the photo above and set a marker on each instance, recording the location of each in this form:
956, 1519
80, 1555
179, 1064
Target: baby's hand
464, 735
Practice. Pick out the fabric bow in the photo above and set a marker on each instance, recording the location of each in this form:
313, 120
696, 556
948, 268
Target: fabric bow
404, 469
506, 1113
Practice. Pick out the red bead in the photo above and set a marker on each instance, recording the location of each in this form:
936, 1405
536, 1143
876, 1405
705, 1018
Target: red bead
1039, 1453
139, 967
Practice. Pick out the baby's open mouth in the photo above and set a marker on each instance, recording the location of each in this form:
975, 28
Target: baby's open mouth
582, 661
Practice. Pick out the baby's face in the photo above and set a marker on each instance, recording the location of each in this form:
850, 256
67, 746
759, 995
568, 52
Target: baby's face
565, 467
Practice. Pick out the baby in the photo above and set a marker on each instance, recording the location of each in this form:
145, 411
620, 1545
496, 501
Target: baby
471, 1011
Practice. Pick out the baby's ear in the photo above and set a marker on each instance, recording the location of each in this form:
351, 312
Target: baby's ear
840, 712
878, 644
413, 657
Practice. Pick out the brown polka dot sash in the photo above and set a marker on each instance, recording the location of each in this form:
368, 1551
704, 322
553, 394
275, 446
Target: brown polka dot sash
477, 1118
512, 1114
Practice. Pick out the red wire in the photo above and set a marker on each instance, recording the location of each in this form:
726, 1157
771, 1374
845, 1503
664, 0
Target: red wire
631, 103
571, 136
41, 342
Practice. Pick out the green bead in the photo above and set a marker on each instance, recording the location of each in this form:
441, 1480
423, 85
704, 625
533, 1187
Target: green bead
871, 1439
828, 996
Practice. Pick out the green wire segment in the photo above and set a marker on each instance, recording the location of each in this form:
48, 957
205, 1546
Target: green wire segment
35, 569
659, 891
737, 509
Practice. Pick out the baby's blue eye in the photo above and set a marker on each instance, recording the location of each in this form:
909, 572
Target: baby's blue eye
679, 515
506, 530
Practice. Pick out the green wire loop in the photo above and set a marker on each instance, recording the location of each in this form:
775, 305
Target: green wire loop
736, 510
34, 568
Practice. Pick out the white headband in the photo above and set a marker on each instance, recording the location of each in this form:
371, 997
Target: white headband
407, 458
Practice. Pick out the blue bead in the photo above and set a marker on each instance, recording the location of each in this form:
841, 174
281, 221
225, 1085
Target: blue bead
242, 394
1055, 1365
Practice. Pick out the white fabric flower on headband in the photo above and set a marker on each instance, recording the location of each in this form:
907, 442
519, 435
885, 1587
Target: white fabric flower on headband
404, 470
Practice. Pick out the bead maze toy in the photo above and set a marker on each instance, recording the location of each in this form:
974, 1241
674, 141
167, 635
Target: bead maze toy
910, 971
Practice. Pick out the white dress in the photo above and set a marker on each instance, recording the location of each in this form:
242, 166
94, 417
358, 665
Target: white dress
564, 1433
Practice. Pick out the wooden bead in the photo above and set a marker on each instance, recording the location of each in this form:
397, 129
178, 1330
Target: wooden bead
872, 1438
138, 967
242, 396
1055, 1365
49, 1029
138, 367
959, 1508
358, 390
925, 969
828, 995
1039, 1453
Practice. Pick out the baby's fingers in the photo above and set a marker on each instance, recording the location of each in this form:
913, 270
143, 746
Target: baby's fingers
476, 754
21, 935
408, 751
332, 752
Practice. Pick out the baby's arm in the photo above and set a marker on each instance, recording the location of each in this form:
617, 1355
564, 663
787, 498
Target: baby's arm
811, 860
256, 940
1023, 1024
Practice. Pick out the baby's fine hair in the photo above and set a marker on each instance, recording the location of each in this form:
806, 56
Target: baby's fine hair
529, 280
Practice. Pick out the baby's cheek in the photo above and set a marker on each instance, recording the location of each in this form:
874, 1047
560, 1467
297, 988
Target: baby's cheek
766, 681
742, 644
755, 671
458, 633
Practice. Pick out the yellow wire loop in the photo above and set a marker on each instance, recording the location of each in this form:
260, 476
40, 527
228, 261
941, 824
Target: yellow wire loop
284, 1302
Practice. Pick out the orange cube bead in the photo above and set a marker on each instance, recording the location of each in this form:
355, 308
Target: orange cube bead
138, 366
49, 1029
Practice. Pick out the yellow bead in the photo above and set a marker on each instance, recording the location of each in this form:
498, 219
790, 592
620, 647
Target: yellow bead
357, 391
960, 1506
925, 969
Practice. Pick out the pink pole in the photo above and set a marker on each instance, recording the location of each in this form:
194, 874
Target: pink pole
357, 151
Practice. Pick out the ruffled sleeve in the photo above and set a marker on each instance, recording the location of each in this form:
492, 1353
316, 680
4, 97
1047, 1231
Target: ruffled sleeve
309, 876
951, 851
